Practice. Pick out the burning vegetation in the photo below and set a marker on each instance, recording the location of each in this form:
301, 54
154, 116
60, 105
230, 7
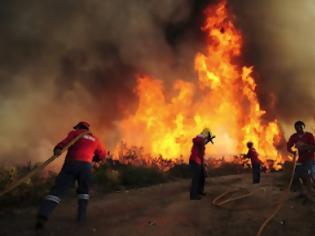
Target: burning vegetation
223, 97
130, 170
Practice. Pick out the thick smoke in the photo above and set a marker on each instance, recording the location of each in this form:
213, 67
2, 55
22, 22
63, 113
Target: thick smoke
279, 42
71, 60
68, 60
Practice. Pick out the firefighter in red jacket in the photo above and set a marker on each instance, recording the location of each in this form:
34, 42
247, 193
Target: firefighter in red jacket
256, 162
304, 142
196, 163
77, 167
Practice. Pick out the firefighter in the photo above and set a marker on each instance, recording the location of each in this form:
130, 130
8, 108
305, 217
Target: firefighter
76, 167
304, 142
196, 163
256, 162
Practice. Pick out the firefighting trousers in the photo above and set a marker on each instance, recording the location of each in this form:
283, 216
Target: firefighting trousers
256, 173
303, 171
71, 171
198, 179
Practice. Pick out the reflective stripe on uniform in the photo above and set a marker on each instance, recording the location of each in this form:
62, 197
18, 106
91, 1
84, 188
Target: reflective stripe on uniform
89, 137
53, 198
84, 196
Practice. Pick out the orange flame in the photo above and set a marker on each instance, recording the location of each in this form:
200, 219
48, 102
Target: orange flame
223, 99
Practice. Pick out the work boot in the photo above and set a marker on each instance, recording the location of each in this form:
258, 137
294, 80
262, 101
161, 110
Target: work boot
40, 223
310, 189
82, 209
299, 196
308, 201
195, 197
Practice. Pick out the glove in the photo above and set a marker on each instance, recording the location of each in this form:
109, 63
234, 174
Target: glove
57, 151
205, 170
96, 158
294, 154
210, 138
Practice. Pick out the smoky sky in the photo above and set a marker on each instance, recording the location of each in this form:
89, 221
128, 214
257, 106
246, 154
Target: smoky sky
279, 43
68, 60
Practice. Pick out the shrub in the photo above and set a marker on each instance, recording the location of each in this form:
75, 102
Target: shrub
139, 176
227, 168
106, 179
29, 192
180, 171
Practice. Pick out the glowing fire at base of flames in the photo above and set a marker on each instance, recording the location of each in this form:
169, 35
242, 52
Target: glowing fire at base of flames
223, 98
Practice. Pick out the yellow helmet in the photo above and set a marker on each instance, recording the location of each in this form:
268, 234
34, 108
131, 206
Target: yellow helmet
205, 132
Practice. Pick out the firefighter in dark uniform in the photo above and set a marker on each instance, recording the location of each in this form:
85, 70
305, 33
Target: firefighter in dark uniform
77, 167
304, 143
256, 162
196, 163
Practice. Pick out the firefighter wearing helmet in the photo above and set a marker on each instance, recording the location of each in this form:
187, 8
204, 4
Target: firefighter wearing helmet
76, 167
196, 163
252, 154
304, 142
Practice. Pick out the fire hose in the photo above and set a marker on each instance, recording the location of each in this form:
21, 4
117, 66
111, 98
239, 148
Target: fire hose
18, 182
283, 199
221, 200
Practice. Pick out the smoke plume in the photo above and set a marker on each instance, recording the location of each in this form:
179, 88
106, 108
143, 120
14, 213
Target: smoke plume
66, 61
279, 43
71, 60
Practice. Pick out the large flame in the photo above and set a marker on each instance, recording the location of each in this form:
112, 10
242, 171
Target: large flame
223, 98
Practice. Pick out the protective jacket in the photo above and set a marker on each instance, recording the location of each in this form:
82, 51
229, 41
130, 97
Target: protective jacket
253, 155
306, 138
198, 149
85, 149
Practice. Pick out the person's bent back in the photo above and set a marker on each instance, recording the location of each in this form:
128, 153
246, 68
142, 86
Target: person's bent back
85, 149
77, 167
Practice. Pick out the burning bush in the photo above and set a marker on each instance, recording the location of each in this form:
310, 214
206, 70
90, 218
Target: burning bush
223, 96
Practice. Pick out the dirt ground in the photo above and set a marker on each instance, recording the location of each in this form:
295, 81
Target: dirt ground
166, 210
